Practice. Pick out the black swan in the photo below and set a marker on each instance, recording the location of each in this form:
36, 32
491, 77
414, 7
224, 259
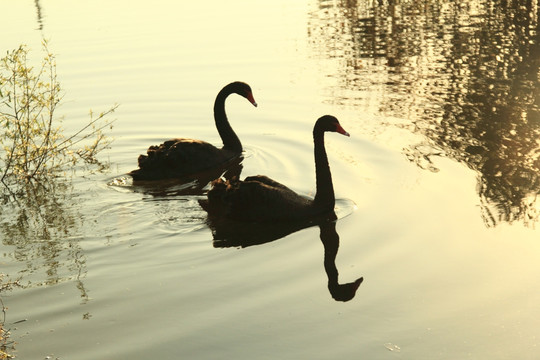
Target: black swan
261, 199
177, 158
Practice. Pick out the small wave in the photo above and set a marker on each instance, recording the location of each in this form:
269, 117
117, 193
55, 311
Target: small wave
344, 208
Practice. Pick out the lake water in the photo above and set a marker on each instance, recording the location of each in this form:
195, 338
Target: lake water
437, 185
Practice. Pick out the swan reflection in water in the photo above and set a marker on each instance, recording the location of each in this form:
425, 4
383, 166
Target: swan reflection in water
330, 240
230, 233
193, 184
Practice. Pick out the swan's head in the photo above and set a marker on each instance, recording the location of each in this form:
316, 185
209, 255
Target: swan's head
244, 90
329, 123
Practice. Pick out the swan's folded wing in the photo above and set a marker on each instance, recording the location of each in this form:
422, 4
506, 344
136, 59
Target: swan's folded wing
267, 181
258, 201
176, 158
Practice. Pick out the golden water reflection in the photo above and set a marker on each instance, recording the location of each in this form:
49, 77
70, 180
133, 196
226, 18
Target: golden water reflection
465, 75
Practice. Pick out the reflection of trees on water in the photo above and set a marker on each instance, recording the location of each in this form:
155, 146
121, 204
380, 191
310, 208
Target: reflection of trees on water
39, 221
39, 14
229, 233
463, 74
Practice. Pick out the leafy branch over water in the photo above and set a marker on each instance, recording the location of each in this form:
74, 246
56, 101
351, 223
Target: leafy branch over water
37, 160
33, 143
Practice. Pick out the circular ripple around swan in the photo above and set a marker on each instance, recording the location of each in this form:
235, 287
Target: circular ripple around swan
290, 163
160, 207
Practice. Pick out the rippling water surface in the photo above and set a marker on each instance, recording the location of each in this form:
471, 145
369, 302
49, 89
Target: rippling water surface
436, 186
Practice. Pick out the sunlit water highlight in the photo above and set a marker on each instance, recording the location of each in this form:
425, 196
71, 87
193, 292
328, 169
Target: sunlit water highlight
436, 187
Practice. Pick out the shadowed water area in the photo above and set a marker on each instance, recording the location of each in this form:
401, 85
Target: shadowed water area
432, 251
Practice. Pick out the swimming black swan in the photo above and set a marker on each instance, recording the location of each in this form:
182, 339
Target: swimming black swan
261, 199
180, 157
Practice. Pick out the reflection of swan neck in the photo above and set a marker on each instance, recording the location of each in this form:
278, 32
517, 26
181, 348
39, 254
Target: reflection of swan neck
324, 196
330, 240
227, 134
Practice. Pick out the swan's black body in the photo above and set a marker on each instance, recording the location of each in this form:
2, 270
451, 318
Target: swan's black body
261, 199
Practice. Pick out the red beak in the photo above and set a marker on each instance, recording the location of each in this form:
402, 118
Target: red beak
251, 99
341, 130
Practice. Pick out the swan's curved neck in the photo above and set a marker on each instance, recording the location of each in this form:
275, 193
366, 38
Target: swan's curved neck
227, 134
325, 189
